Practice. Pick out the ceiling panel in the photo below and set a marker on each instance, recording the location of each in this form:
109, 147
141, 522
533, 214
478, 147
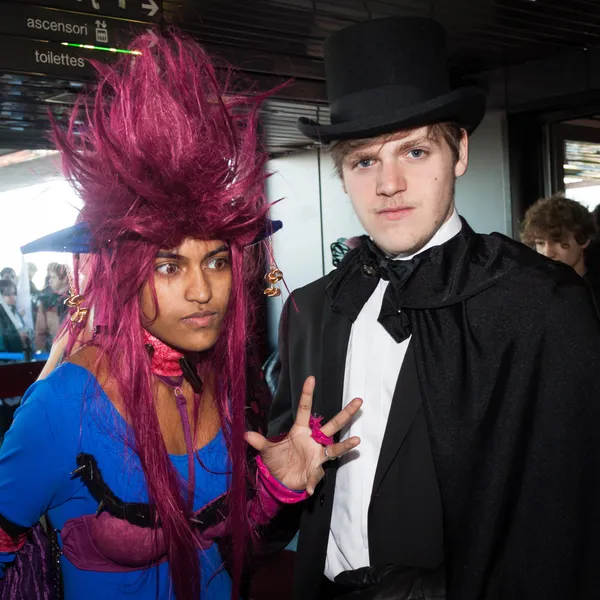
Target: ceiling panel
274, 40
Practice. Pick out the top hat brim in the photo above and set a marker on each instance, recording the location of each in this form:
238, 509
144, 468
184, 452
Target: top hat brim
464, 106
78, 239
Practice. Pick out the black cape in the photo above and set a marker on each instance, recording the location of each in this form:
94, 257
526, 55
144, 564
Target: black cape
507, 349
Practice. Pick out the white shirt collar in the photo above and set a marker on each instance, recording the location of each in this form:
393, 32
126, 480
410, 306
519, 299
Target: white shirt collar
446, 232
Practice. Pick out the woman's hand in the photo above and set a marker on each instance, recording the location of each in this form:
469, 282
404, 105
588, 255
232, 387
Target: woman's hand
296, 461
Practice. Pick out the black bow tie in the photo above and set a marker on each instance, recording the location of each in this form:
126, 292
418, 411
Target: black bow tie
358, 278
396, 271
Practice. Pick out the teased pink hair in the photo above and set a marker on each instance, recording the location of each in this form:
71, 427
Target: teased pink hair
167, 151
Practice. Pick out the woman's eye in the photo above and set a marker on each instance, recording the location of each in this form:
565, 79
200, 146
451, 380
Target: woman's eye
167, 269
219, 263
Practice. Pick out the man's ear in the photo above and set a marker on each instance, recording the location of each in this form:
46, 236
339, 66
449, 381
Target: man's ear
463, 156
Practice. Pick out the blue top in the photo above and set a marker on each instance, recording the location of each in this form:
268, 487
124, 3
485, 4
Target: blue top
66, 414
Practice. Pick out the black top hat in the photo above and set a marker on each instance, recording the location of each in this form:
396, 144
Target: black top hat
389, 74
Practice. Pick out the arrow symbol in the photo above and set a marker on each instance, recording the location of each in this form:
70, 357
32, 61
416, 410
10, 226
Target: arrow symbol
154, 38
101, 24
151, 7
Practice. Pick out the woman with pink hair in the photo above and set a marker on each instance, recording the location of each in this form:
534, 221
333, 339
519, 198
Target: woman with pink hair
143, 449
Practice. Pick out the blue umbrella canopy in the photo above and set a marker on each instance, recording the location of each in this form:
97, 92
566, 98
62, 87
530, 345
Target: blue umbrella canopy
78, 239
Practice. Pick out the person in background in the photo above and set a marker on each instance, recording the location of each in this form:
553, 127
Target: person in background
34, 292
13, 333
51, 308
8, 273
85, 335
32, 270
14, 338
563, 229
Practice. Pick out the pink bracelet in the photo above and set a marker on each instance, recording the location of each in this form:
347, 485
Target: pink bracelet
315, 424
273, 486
279, 491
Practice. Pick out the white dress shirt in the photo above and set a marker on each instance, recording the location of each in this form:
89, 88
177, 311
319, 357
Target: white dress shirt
373, 365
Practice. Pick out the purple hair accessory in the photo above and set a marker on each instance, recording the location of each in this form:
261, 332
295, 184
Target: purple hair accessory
315, 424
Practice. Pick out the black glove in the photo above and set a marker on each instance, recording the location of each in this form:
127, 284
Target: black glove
392, 583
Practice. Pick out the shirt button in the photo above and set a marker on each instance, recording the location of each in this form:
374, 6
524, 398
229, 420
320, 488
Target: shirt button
322, 499
369, 271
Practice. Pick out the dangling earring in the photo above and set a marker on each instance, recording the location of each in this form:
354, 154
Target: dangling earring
75, 301
272, 277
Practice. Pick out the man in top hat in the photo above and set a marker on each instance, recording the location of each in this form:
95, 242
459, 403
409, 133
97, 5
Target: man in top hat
478, 361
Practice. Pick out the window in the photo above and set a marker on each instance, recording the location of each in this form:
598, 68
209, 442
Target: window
582, 172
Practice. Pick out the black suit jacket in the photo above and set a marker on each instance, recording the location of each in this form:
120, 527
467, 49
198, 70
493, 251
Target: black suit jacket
404, 521
506, 349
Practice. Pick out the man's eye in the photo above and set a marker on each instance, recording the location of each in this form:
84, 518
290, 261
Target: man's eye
417, 153
167, 269
363, 163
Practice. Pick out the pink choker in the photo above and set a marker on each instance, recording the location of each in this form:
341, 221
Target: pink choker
164, 359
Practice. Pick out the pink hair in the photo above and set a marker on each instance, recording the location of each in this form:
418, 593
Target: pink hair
166, 152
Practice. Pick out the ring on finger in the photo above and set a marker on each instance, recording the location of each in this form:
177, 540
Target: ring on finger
327, 455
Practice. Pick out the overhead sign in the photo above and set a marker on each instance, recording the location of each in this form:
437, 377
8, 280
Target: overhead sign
135, 10
47, 24
49, 58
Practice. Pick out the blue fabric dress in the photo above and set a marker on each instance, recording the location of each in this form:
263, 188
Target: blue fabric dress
66, 414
